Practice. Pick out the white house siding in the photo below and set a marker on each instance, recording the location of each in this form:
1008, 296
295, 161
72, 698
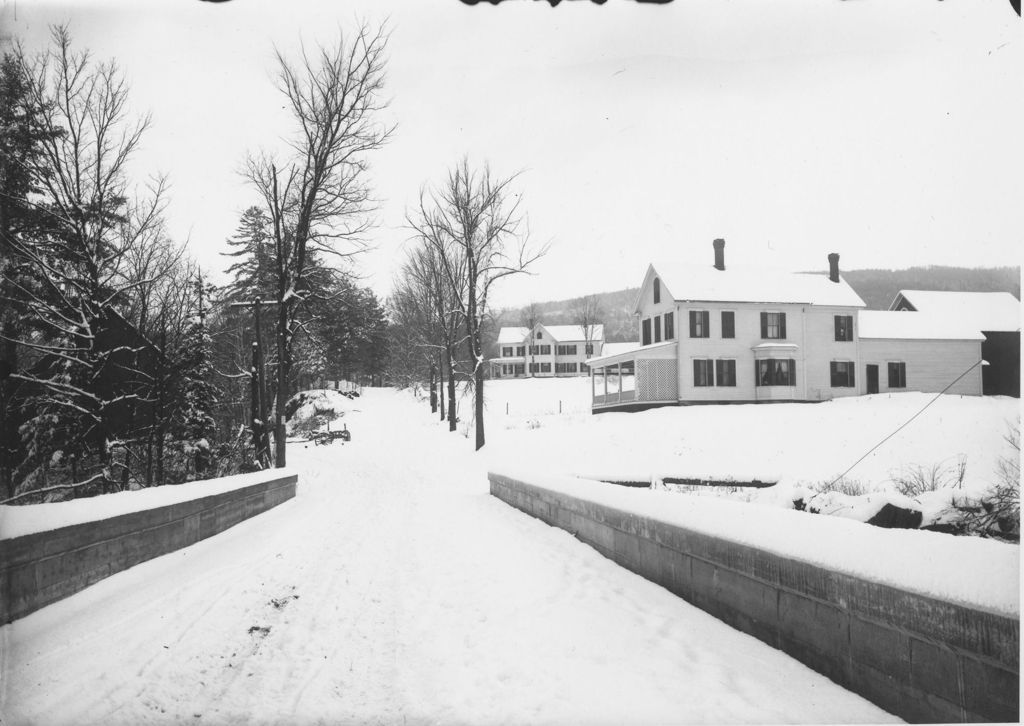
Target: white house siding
741, 349
931, 364
823, 348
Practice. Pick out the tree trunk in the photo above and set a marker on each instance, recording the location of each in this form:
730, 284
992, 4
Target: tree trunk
440, 383
283, 369
433, 389
451, 394
479, 404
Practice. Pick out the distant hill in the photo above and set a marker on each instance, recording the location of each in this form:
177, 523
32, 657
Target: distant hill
876, 287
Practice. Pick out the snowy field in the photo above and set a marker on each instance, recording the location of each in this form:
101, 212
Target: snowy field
395, 589
795, 444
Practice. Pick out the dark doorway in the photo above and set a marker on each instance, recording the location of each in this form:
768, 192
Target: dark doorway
872, 378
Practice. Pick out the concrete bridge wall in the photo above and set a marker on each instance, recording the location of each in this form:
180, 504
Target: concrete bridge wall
922, 659
40, 568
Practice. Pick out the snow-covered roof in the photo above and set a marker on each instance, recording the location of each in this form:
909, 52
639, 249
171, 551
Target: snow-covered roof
904, 324
508, 336
616, 348
745, 283
610, 353
569, 333
995, 311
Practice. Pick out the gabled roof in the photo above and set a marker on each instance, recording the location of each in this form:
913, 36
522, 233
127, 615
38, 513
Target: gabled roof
512, 336
754, 284
995, 311
571, 333
908, 325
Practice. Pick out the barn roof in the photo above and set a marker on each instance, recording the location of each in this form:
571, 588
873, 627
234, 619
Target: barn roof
907, 325
570, 333
994, 311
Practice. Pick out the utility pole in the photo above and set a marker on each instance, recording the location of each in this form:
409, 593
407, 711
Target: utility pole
258, 387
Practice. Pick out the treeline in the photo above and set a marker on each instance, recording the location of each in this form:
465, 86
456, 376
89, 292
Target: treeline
470, 234
121, 366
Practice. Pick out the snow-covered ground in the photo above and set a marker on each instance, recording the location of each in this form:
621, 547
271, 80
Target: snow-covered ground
796, 444
394, 589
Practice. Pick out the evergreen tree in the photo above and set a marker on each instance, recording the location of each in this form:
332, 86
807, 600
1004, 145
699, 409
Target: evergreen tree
252, 274
199, 394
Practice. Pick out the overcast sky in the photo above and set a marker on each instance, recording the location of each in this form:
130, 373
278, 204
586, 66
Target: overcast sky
888, 131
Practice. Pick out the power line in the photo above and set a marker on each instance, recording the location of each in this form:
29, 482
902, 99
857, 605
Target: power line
904, 424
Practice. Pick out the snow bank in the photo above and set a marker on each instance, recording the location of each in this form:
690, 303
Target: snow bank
315, 409
31, 518
979, 573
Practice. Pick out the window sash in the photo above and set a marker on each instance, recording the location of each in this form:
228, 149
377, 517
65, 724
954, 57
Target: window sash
699, 323
897, 375
841, 373
703, 372
657, 329
657, 291
773, 326
844, 327
725, 372
645, 332
670, 321
728, 324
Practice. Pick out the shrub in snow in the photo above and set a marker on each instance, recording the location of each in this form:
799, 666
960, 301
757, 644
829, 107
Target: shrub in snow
916, 480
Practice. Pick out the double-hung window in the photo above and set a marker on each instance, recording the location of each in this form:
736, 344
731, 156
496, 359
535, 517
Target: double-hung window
506, 352
657, 329
645, 332
897, 375
703, 372
725, 372
670, 326
844, 327
728, 324
773, 326
699, 324
841, 374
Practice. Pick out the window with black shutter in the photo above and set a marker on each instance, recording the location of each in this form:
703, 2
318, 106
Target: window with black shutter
897, 375
841, 373
645, 332
728, 324
699, 320
844, 327
670, 323
657, 329
773, 326
703, 373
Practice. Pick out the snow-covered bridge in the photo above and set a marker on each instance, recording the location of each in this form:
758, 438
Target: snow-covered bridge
393, 589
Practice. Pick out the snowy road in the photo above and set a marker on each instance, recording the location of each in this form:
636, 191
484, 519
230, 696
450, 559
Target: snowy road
394, 589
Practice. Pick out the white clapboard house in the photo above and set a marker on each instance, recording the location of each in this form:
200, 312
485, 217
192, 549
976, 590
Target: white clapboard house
546, 350
733, 334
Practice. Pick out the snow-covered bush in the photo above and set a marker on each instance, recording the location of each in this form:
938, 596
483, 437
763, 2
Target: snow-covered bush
915, 480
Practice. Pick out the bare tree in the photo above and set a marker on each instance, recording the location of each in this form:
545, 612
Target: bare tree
528, 319
473, 223
318, 198
587, 312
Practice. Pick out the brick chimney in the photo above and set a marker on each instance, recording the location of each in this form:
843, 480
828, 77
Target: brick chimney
833, 267
719, 254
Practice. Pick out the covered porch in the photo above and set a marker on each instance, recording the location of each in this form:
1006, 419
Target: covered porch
634, 378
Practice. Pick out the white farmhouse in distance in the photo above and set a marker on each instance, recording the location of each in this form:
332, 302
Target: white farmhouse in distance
546, 350
718, 334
